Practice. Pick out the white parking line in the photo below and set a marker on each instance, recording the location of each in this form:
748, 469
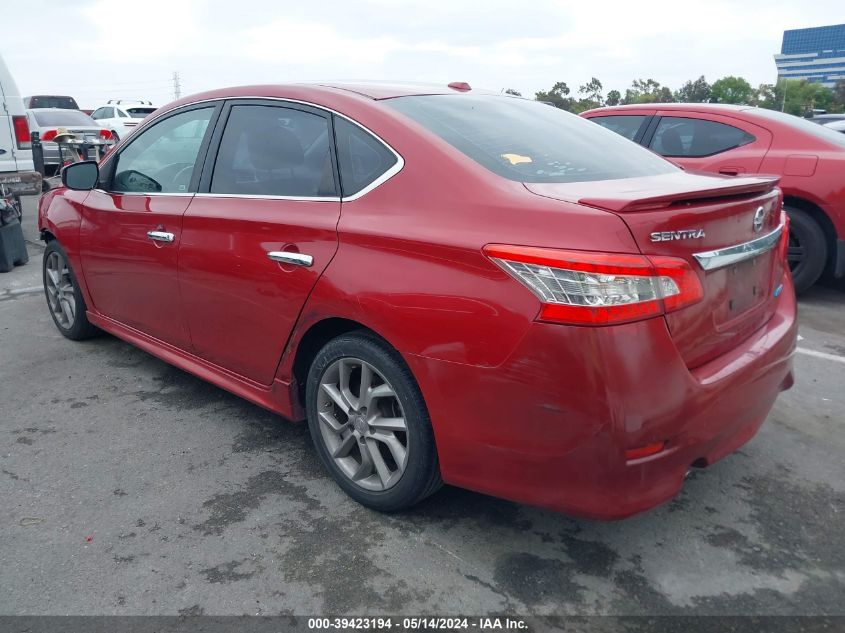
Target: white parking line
824, 355
25, 291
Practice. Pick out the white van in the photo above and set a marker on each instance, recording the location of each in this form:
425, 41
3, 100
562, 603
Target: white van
17, 175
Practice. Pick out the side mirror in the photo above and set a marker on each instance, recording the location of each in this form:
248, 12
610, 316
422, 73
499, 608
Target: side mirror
81, 176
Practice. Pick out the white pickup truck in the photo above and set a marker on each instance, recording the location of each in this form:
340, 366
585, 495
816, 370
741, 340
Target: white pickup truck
17, 173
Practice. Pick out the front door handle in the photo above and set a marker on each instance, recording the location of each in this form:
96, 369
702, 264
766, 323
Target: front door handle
160, 236
286, 257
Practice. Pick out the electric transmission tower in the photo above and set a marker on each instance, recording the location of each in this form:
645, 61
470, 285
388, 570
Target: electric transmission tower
177, 87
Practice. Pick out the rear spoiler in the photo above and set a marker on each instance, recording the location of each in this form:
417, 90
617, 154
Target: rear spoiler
731, 187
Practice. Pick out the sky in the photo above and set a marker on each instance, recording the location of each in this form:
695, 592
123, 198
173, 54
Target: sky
95, 50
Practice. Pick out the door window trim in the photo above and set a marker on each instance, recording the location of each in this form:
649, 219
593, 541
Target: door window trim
108, 167
395, 169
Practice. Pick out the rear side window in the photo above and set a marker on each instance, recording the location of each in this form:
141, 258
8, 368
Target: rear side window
680, 136
625, 125
274, 151
362, 158
527, 141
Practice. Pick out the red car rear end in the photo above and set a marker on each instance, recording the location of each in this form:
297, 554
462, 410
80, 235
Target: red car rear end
553, 314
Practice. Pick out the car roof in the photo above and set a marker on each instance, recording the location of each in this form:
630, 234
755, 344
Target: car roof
690, 107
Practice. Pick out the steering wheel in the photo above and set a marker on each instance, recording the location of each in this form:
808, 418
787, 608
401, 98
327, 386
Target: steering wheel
177, 178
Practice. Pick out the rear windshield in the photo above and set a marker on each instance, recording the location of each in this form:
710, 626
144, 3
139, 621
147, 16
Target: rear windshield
528, 141
52, 101
63, 117
140, 113
805, 125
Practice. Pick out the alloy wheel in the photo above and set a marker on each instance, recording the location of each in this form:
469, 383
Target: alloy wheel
61, 295
362, 424
796, 253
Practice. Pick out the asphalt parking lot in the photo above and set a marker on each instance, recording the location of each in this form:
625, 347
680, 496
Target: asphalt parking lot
130, 487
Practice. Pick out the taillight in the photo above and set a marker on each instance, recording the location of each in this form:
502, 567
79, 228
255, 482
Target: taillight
585, 288
783, 247
105, 135
22, 132
49, 135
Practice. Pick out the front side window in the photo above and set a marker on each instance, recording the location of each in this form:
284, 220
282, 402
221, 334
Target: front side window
274, 151
528, 141
161, 159
626, 125
362, 158
680, 136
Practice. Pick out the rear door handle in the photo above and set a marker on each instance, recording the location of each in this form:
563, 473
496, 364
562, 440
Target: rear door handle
731, 171
160, 236
286, 257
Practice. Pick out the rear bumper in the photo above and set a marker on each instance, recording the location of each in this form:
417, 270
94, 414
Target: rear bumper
550, 426
21, 183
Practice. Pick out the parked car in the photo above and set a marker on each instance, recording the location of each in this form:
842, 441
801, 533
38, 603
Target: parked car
838, 126
827, 118
120, 116
50, 122
50, 101
450, 286
17, 172
731, 140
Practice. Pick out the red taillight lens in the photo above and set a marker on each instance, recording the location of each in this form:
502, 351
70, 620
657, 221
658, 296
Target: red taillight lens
105, 135
644, 451
784, 237
21, 132
585, 288
49, 135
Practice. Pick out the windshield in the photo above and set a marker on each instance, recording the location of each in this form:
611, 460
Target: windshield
50, 101
822, 132
140, 113
528, 141
63, 117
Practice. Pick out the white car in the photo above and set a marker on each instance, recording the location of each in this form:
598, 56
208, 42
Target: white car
121, 116
17, 174
839, 126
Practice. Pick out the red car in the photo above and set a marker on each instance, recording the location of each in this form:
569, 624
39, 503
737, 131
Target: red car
738, 140
450, 286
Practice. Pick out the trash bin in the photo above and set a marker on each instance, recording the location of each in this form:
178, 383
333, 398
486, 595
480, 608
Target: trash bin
12, 246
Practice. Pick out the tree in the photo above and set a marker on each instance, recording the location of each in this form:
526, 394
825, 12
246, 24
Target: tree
646, 91
731, 89
557, 96
511, 91
613, 98
839, 95
697, 91
765, 97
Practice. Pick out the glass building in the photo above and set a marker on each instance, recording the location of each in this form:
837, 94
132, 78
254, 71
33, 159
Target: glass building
816, 54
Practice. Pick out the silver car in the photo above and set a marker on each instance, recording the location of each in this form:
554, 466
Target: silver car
48, 122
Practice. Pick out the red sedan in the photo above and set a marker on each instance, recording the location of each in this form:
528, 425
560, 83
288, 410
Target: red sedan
737, 140
449, 286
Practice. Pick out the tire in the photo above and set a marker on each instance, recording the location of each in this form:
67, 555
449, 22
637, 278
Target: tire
344, 426
64, 299
807, 252
115, 136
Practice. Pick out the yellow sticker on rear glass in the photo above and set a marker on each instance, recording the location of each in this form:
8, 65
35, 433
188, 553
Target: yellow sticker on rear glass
516, 159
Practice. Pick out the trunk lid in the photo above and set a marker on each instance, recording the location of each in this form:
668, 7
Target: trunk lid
684, 215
